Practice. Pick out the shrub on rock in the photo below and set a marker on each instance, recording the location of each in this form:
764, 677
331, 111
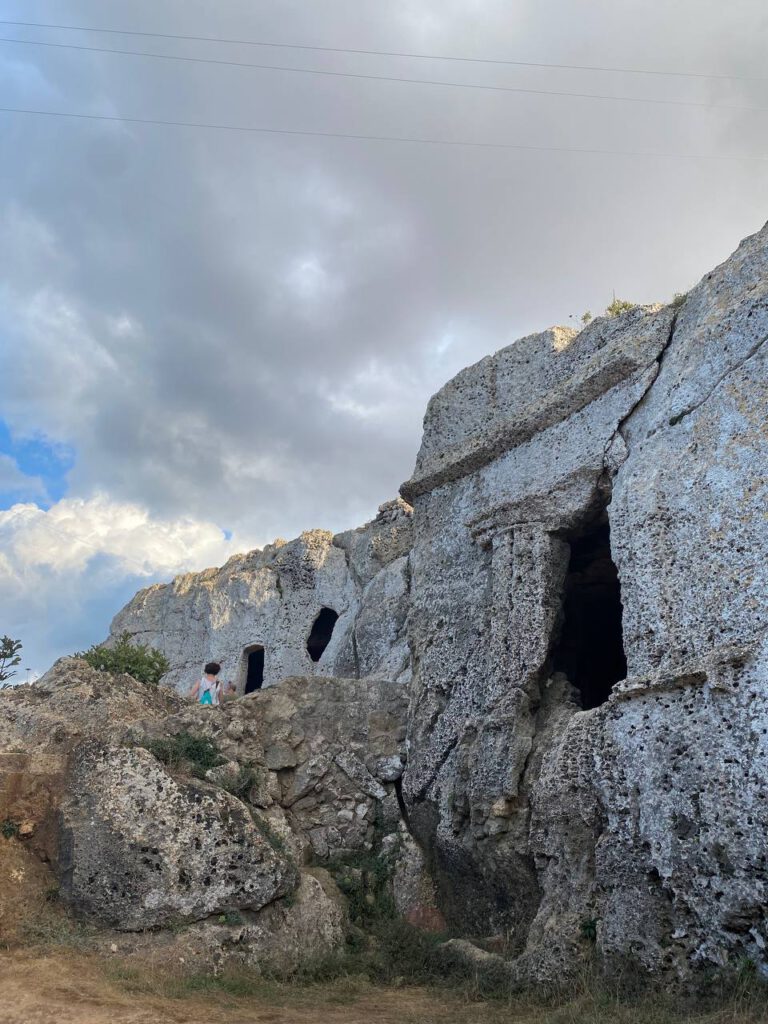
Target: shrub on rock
144, 663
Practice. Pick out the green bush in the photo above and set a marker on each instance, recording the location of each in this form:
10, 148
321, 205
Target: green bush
268, 833
146, 664
185, 751
619, 306
232, 917
365, 879
10, 658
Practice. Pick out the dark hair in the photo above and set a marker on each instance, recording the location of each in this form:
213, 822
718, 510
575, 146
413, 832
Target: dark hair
212, 668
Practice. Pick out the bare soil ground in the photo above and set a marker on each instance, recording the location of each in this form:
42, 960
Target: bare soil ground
66, 987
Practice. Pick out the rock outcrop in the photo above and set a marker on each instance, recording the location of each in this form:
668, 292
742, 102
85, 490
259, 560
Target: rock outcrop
154, 813
587, 739
269, 600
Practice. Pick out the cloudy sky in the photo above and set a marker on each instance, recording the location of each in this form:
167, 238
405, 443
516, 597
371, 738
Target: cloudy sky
211, 338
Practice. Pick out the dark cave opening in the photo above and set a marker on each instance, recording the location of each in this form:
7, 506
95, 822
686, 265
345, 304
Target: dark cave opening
255, 670
321, 633
591, 647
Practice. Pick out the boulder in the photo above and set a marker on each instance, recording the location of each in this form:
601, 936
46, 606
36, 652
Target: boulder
140, 849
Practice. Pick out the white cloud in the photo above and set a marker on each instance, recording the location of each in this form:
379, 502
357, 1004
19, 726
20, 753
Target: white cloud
245, 330
69, 535
64, 572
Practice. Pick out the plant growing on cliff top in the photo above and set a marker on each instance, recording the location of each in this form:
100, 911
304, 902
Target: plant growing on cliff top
144, 663
618, 306
9, 658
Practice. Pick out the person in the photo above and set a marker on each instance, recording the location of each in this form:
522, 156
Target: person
228, 691
207, 690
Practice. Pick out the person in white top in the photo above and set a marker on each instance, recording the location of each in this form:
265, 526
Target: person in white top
207, 689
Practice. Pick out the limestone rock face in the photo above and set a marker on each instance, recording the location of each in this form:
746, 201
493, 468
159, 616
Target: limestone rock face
272, 598
587, 737
282, 937
140, 849
326, 756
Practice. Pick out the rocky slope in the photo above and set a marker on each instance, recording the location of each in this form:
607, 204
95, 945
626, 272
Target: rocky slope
152, 813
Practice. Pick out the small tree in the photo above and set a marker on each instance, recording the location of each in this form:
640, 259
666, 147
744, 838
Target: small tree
144, 663
9, 659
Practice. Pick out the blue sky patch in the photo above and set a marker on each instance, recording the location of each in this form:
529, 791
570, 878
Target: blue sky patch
37, 457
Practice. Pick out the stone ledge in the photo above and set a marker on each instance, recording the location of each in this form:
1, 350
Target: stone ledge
717, 669
599, 374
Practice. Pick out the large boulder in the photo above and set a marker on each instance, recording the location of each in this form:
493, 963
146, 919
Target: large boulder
154, 813
140, 849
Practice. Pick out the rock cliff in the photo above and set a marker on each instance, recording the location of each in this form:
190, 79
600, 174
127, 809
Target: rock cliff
587, 738
544, 692
266, 603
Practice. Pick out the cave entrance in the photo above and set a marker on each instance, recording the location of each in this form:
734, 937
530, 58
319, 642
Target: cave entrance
321, 633
254, 668
591, 646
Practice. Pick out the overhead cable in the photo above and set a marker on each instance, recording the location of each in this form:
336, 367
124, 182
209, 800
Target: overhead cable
385, 53
360, 137
385, 78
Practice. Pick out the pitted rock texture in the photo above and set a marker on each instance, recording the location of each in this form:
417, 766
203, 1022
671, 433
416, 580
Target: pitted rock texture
41, 726
136, 840
642, 440
578, 600
140, 849
271, 598
283, 937
326, 756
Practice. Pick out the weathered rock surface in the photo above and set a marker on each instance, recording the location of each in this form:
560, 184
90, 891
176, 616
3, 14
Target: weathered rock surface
326, 761
140, 849
640, 820
91, 784
271, 598
284, 936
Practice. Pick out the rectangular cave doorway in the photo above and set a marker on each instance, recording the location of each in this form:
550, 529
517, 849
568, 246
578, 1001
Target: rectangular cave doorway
254, 668
591, 646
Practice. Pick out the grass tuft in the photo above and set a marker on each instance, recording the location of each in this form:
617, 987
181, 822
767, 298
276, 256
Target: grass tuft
184, 751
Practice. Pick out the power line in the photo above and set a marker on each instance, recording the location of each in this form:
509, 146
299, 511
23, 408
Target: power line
454, 143
383, 78
386, 53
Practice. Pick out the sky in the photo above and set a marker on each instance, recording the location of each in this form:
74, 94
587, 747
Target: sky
212, 338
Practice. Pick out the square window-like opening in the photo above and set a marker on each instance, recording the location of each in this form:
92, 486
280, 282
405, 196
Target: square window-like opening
591, 646
254, 668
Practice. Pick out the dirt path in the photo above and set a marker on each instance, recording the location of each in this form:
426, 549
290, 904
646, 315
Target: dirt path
66, 989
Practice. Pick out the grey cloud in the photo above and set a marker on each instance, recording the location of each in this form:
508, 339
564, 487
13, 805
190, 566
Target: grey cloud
262, 320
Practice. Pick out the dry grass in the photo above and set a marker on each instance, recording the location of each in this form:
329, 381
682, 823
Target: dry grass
67, 987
